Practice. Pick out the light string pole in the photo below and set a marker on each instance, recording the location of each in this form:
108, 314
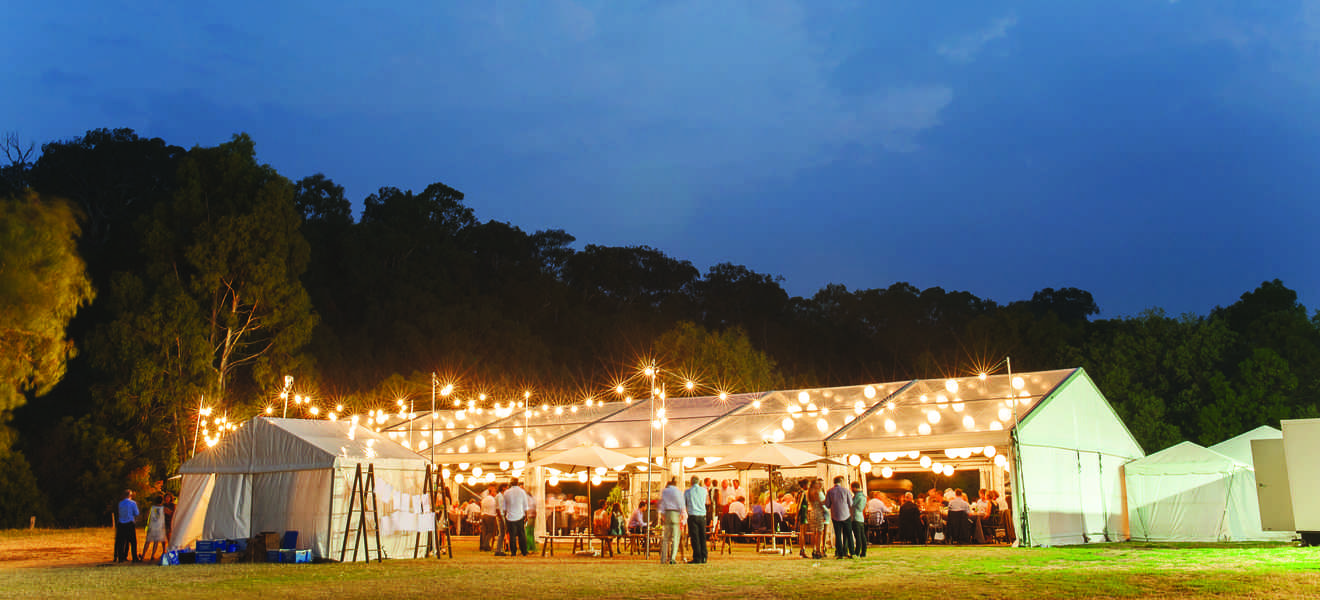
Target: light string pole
650, 373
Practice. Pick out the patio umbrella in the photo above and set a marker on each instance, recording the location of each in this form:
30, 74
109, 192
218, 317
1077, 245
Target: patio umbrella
768, 456
585, 458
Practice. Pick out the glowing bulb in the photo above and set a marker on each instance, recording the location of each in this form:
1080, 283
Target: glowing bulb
476, 471
981, 375
869, 391
1000, 461
822, 425
933, 416
937, 467
553, 481
778, 435
582, 476
804, 397
1019, 383
270, 410
925, 462
458, 478
689, 462
618, 389
787, 424
969, 422
689, 385
595, 480
649, 371
724, 396
996, 426
890, 426
504, 465
315, 411
952, 386
989, 451
865, 467
913, 454
887, 472
1005, 414
923, 429
854, 460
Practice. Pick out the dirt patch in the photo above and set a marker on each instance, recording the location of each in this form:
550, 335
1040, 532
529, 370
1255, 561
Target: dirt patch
58, 548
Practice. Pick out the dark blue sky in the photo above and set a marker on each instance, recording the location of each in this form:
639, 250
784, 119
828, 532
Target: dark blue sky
1154, 153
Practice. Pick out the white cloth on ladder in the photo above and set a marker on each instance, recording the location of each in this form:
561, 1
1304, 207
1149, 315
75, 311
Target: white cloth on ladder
405, 522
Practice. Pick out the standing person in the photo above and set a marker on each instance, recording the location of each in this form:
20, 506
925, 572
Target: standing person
858, 520
839, 501
671, 511
516, 504
817, 517
726, 497
126, 514
489, 518
695, 501
803, 514
168, 504
155, 539
499, 519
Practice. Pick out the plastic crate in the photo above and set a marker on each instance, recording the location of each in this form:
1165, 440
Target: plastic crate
208, 558
290, 539
288, 556
240, 545
274, 556
302, 556
208, 545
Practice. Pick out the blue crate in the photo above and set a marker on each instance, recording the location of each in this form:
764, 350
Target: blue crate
288, 556
208, 558
290, 539
239, 545
302, 556
274, 556
207, 545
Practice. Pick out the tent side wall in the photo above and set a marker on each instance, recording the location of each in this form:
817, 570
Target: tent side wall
407, 476
1069, 480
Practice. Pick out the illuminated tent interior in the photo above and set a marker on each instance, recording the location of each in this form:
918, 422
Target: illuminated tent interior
1189, 493
290, 474
1066, 462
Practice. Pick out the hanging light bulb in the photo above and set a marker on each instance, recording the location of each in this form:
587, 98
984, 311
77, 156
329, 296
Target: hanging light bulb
1019, 383
887, 472
925, 462
923, 429
890, 426
865, 467
582, 476
1000, 461
595, 480
869, 391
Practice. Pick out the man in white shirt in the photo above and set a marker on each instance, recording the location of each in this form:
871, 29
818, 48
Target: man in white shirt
959, 523
671, 512
569, 511
726, 497
489, 518
737, 507
876, 509
515, 503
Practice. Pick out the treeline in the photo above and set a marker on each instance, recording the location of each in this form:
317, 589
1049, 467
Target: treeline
216, 276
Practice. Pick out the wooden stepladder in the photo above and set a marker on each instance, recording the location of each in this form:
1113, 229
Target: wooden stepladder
433, 490
361, 504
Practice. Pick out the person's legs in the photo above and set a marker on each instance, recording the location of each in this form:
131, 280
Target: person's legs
842, 531
859, 538
132, 541
669, 543
517, 537
121, 543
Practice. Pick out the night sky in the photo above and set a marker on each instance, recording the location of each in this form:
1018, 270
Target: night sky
1156, 154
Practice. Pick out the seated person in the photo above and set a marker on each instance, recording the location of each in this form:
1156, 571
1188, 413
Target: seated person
600, 520
959, 510
637, 522
910, 527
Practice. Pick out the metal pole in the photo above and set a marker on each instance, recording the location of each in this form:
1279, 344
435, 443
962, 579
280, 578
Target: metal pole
431, 442
1024, 538
650, 461
197, 423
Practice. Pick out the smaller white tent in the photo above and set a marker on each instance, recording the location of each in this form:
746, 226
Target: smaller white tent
1239, 448
294, 474
1190, 493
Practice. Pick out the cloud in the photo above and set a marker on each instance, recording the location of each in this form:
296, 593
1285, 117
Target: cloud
965, 48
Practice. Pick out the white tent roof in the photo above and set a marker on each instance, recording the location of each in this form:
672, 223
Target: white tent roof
1183, 459
266, 445
1239, 447
630, 429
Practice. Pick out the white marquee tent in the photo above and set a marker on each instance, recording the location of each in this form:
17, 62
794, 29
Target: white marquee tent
291, 474
1064, 446
1189, 493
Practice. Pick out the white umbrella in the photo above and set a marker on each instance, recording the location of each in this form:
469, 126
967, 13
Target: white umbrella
770, 455
585, 458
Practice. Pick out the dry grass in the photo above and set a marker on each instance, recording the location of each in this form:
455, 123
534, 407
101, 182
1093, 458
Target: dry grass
74, 563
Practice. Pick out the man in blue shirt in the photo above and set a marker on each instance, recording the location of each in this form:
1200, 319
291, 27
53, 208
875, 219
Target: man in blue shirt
695, 501
671, 511
126, 515
839, 501
515, 504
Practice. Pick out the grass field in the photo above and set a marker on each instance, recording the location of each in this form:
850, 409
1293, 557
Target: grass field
73, 563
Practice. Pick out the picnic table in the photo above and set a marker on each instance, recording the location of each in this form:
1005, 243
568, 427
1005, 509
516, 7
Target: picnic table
762, 540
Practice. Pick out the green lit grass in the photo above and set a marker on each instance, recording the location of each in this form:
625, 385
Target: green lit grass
1098, 571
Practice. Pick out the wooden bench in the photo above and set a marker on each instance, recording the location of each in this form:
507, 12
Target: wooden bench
581, 543
761, 540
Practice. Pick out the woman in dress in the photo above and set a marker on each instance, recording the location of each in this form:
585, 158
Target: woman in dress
155, 541
816, 518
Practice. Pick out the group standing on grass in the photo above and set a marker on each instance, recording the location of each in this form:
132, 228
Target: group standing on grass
127, 515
